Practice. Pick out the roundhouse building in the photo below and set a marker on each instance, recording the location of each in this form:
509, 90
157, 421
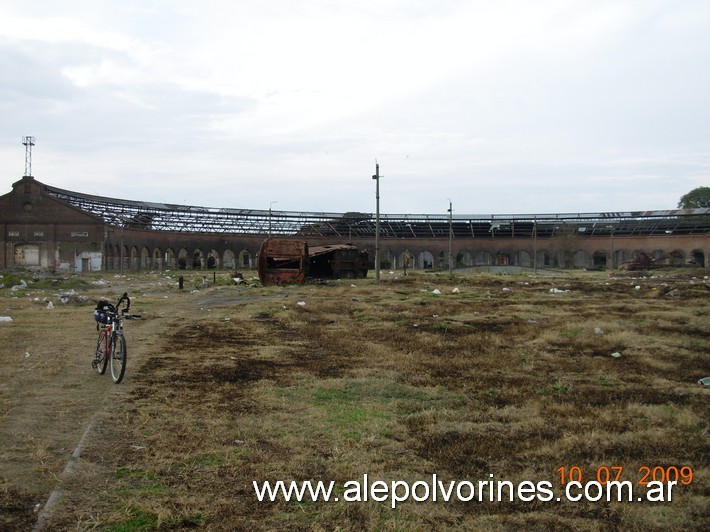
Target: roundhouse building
47, 228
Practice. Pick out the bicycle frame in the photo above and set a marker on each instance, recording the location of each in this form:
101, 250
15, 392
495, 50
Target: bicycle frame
112, 344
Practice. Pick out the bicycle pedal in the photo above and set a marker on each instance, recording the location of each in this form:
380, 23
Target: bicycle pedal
94, 364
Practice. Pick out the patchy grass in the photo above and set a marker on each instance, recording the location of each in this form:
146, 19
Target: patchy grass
230, 385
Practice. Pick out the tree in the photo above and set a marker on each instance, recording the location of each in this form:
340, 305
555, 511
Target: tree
698, 198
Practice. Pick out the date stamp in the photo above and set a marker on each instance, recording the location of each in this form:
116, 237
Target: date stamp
642, 476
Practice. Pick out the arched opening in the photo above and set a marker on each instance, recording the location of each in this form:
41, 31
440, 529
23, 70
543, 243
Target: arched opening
697, 257
170, 259
135, 258
244, 259
145, 259
213, 260
580, 259
599, 259
464, 259
386, 260
406, 259
484, 258
198, 259
443, 259
524, 259
182, 259
157, 260
425, 259
544, 259
228, 260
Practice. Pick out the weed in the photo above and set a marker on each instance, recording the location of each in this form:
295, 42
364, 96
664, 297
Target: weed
513, 383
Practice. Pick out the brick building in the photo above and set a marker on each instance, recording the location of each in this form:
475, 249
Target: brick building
46, 228
41, 232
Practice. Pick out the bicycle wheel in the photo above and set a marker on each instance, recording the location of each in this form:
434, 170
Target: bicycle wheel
118, 357
99, 362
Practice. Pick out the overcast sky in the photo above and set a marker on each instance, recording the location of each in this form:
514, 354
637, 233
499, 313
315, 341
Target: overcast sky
505, 106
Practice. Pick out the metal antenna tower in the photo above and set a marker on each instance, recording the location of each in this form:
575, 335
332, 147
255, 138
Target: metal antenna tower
28, 142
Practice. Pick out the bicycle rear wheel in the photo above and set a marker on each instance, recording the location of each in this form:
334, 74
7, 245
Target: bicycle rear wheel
118, 357
99, 362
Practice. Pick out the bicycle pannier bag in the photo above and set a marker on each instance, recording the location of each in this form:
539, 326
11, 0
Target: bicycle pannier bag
100, 314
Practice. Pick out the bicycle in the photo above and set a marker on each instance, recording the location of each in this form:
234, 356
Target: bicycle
111, 343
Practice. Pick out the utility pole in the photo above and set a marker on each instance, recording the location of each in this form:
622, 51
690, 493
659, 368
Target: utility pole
535, 246
613, 259
376, 177
270, 204
451, 234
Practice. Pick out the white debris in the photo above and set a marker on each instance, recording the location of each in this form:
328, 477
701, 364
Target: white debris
27, 354
301, 303
20, 286
616, 354
637, 287
353, 286
50, 305
557, 291
598, 330
5, 319
506, 289
455, 290
72, 297
436, 291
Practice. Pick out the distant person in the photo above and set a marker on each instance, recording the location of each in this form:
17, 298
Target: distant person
405, 263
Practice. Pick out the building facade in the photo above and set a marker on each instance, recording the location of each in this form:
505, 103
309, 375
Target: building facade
45, 228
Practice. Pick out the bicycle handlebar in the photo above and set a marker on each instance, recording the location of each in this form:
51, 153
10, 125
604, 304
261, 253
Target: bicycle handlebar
123, 298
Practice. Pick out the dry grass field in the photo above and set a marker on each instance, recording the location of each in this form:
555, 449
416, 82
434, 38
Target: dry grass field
514, 376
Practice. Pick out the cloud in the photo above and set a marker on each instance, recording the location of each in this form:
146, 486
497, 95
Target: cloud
505, 105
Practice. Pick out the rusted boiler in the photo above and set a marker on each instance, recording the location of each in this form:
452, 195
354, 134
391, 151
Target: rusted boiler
284, 260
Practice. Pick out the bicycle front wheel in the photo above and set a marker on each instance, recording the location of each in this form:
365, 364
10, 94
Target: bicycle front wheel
99, 362
118, 357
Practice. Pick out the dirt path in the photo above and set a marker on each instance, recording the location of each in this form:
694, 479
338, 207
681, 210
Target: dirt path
49, 394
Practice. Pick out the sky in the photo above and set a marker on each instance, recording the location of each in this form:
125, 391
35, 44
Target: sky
499, 107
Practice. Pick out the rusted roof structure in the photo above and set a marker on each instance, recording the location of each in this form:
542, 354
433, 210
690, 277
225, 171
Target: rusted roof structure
193, 219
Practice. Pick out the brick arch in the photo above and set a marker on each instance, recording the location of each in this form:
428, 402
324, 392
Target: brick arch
183, 262
197, 261
229, 260
145, 259
425, 259
170, 262
156, 259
